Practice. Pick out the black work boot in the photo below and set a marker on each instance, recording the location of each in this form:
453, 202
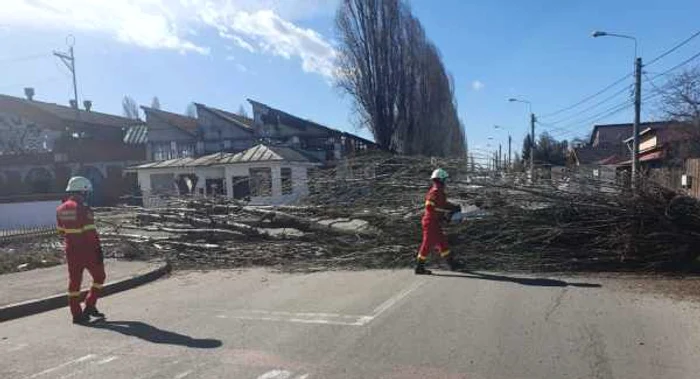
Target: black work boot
81, 319
93, 312
452, 263
421, 270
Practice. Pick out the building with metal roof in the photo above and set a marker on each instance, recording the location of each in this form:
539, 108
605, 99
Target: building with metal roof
262, 175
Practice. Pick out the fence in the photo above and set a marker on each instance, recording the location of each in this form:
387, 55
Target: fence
27, 233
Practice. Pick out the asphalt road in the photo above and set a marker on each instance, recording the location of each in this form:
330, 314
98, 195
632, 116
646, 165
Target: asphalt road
371, 324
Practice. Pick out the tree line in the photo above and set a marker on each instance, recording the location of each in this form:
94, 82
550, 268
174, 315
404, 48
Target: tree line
397, 80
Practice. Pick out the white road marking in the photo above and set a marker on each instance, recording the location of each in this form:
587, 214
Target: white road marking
52, 369
323, 318
295, 320
383, 307
182, 375
276, 374
107, 360
305, 314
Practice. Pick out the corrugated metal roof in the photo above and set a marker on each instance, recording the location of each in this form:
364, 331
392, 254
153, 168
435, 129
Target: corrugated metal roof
259, 153
136, 135
187, 124
263, 153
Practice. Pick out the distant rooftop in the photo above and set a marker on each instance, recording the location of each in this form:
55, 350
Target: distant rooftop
258, 153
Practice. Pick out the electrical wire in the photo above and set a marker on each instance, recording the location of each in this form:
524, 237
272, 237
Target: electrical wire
671, 50
594, 106
685, 62
587, 98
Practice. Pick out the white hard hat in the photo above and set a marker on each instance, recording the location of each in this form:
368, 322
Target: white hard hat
79, 184
439, 174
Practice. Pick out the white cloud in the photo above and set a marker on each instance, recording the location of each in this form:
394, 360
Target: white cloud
258, 26
241, 67
240, 42
230, 57
478, 85
146, 23
274, 35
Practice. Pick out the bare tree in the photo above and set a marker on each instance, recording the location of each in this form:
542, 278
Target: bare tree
191, 110
130, 108
242, 112
155, 103
369, 62
680, 97
397, 79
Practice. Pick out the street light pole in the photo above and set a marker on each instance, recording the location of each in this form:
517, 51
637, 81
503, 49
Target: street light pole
637, 103
533, 119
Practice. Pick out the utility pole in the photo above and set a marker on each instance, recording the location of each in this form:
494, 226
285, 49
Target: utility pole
532, 146
69, 61
509, 162
500, 159
637, 115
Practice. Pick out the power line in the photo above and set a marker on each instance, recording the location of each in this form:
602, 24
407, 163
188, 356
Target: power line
685, 62
587, 98
574, 127
607, 99
605, 89
671, 50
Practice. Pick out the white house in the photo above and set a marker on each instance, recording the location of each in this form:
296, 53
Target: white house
266, 175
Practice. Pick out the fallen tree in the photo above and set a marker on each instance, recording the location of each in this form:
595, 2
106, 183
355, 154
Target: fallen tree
569, 224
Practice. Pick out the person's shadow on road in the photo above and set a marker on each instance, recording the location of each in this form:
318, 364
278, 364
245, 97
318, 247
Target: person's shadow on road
539, 282
152, 334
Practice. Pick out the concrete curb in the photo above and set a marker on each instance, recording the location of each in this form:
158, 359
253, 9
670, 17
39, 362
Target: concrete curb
30, 307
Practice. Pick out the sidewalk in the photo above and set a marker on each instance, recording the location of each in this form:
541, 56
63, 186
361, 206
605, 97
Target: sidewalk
29, 292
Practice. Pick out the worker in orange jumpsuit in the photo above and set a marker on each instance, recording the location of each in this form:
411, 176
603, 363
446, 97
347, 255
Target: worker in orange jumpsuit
437, 209
83, 250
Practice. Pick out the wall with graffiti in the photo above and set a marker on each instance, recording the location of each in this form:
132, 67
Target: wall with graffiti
18, 135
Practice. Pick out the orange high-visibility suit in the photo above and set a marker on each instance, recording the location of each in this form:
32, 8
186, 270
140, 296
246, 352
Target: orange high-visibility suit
76, 223
433, 236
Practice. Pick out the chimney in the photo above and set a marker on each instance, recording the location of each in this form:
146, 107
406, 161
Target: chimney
87, 104
29, 93
73, 104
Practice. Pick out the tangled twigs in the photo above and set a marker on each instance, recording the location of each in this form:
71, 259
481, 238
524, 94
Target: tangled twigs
366, 212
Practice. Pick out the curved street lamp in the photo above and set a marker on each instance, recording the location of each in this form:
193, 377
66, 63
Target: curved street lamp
637, 100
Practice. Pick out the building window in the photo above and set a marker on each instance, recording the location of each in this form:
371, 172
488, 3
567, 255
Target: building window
287, 187
162, 152
215, 187
186, 150
261, 182
163, 183
241, 187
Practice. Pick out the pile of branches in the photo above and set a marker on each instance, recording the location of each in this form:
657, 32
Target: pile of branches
365, 213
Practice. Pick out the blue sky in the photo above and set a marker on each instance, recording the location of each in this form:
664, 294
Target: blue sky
280, 52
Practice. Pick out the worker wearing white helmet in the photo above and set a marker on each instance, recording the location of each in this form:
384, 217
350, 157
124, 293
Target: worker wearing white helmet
76, 224
437, 208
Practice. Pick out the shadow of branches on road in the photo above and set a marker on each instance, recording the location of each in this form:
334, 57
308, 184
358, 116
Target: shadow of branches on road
152, 334
538, 282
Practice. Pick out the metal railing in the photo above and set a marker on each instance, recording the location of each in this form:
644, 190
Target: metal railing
27, 232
